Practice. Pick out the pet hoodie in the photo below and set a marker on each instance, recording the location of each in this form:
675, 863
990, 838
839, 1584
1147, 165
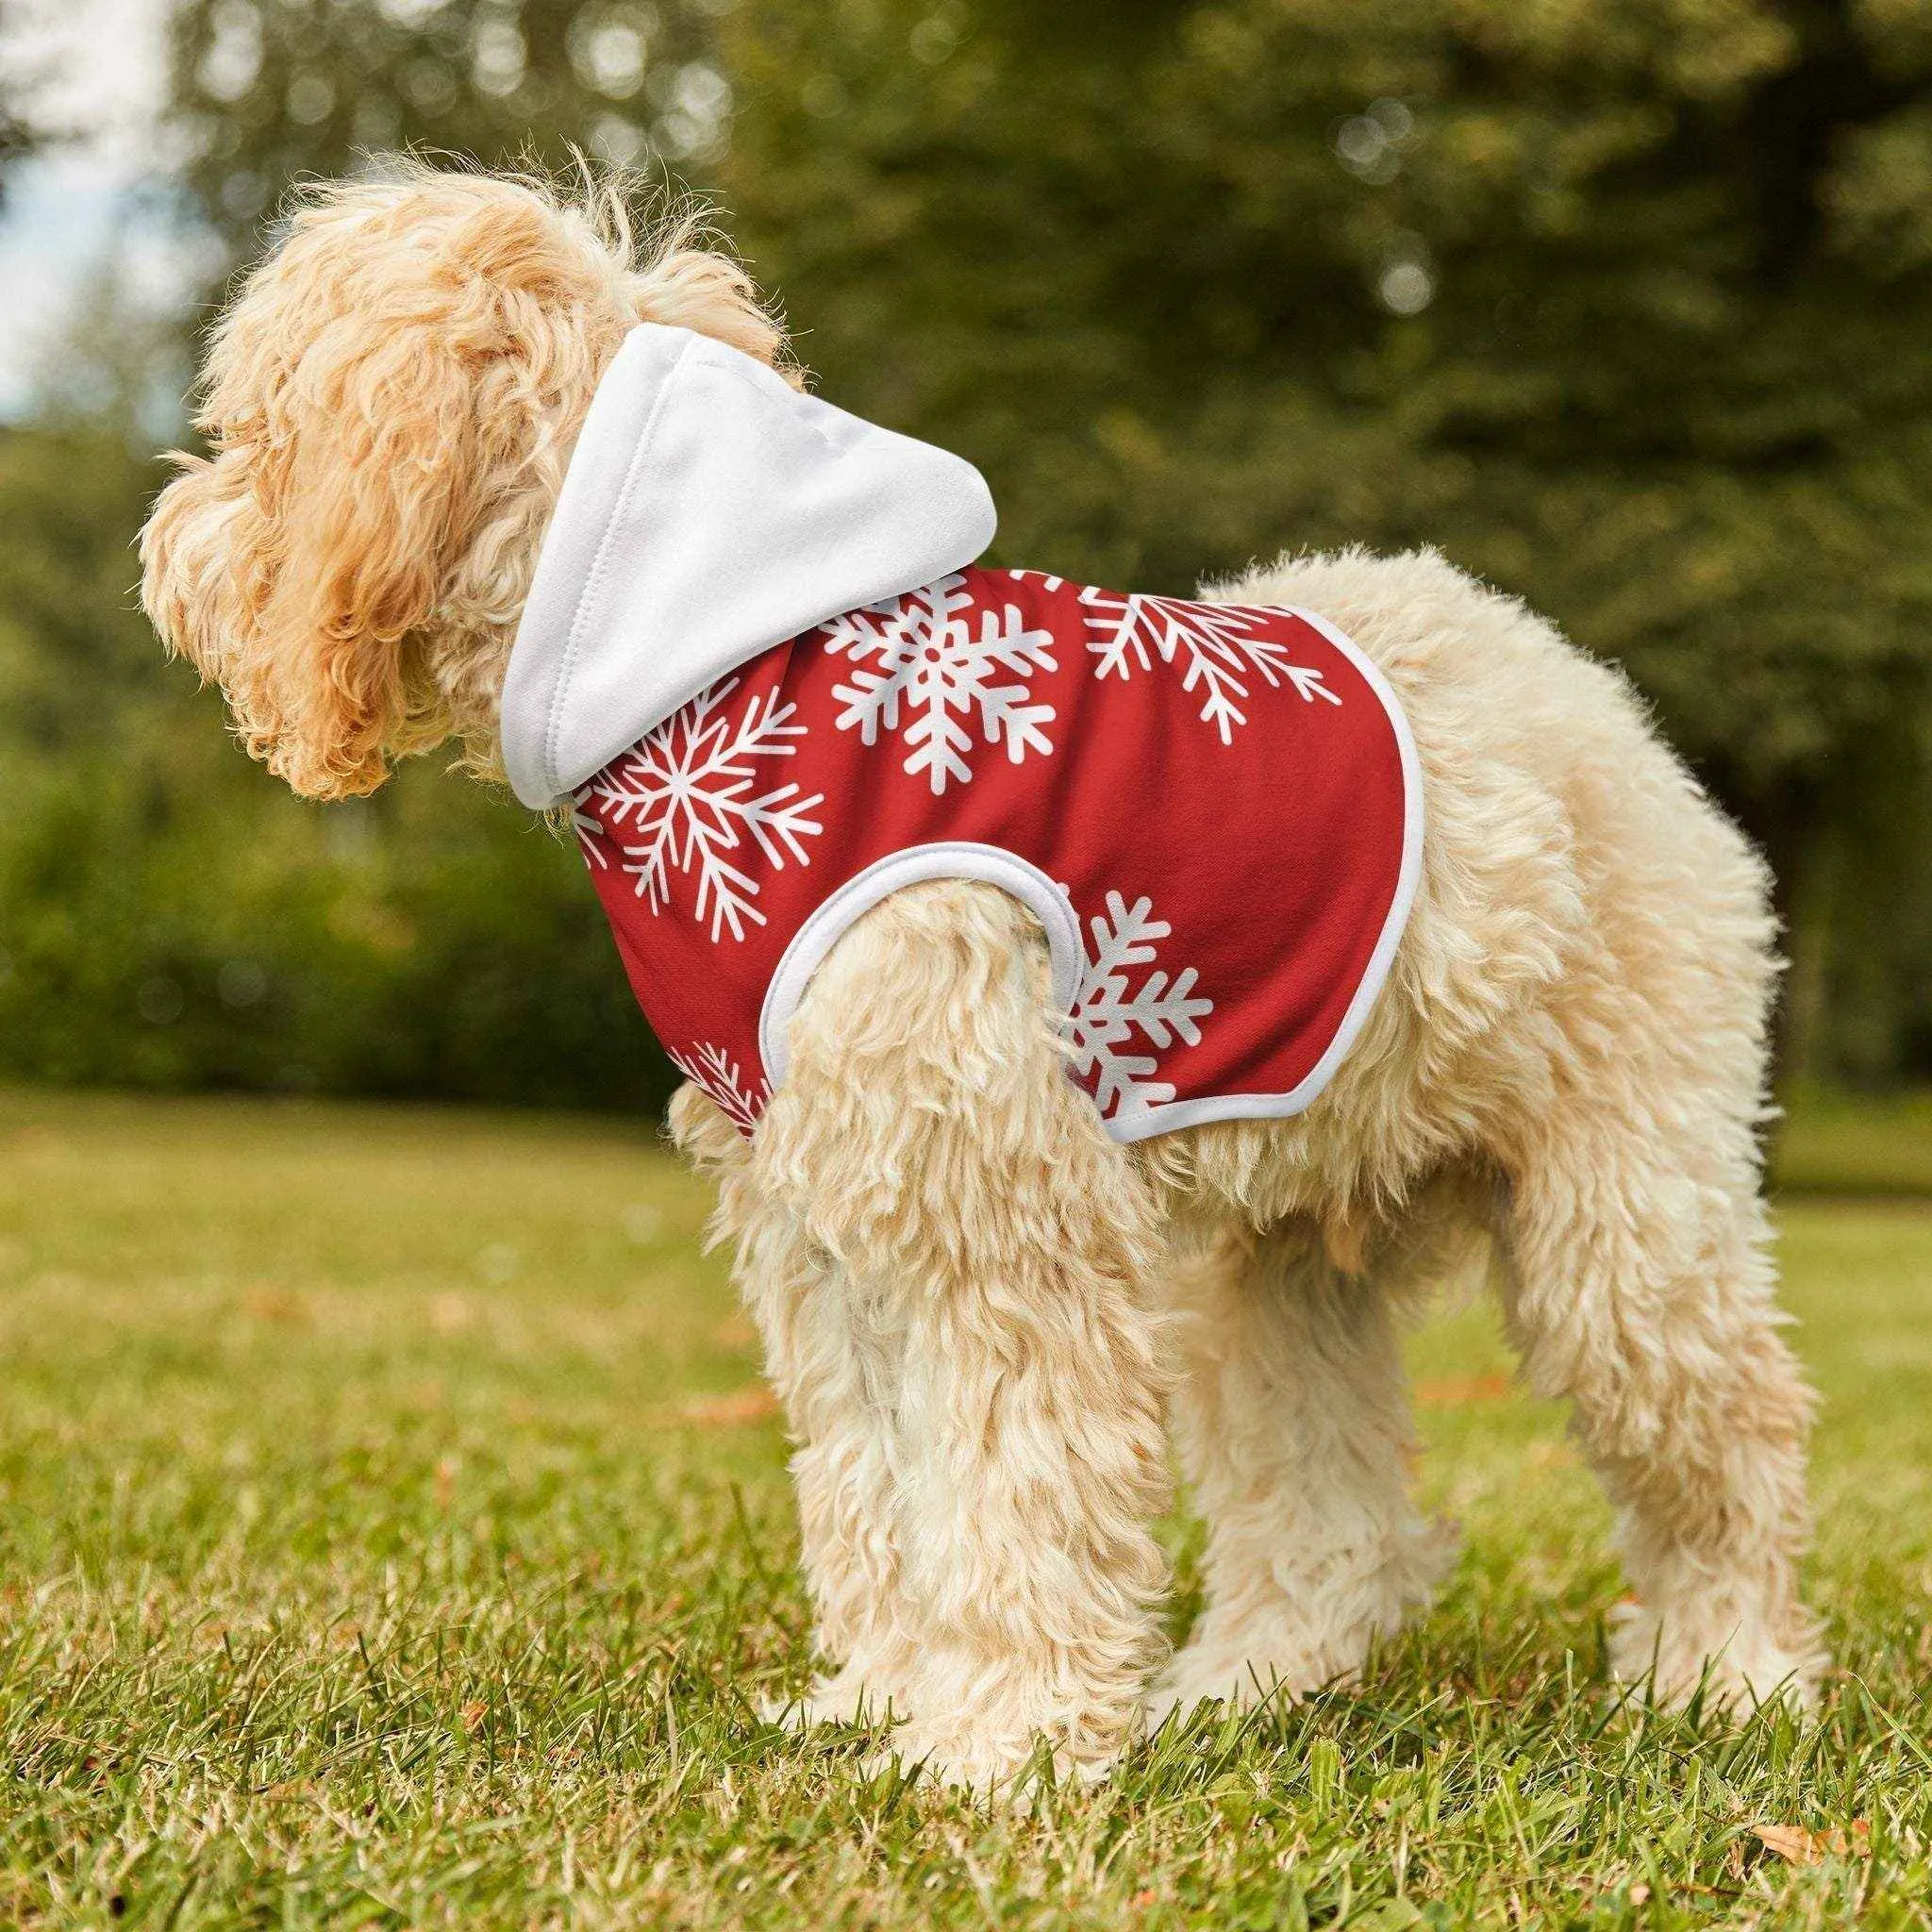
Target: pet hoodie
763, 668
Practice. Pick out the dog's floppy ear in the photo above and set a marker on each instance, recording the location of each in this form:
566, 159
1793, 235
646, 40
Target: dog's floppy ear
375, 399
199, 548
359, 465
389, 402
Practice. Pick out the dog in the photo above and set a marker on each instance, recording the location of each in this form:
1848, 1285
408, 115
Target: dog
986, 1313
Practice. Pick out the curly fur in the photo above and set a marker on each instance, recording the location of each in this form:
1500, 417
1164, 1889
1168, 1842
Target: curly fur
390, 404
982, 1315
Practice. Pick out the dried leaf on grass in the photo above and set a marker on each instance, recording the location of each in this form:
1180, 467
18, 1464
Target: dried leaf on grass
740, 1408
264, 1302
1798, 1844
1470, 1388
737, 1331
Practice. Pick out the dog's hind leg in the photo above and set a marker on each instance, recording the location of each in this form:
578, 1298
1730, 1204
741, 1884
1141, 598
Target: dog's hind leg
1293, 1428
1641, 1288
930, 1141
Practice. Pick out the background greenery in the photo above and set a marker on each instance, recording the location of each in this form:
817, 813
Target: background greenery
1625, 304
428, 1564
425, 1563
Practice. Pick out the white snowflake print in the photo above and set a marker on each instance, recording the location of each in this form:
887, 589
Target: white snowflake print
1217, 644
718, 1073
1110, 1012
683, 799
918, 655
588, 830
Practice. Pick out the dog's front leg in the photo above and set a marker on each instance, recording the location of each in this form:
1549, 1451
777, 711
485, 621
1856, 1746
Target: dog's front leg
933, 1145
831, 1351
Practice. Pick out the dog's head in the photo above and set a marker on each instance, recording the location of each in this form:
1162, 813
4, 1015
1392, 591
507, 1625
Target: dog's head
389, 402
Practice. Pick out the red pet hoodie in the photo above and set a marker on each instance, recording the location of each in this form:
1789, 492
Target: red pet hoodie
761, 665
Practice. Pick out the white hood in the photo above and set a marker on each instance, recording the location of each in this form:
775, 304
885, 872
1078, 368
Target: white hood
710, 512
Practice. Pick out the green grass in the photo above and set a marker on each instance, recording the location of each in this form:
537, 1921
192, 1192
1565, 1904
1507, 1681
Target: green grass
1844, 1143
370, 1555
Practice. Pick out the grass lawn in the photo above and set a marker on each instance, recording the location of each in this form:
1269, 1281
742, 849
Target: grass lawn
1845, 1143
390, 1533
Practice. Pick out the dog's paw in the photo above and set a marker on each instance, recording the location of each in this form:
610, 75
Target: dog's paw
1010, 1771
1209, 1673
844, 1698
1737, 1662
1315, 1637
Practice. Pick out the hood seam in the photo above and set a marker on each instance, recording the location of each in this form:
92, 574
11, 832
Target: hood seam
599, 568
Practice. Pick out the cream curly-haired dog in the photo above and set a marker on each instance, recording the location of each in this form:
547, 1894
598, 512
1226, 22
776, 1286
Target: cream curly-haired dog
981, 1310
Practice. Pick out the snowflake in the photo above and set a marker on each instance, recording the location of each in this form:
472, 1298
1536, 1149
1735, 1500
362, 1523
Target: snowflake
1221, 649
683, 793
718, 1073
919, 650
590, 833
1107, 1015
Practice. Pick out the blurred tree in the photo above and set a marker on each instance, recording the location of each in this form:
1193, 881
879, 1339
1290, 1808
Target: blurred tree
15, 141
18, 137
1625, 307
269, 90
170, 916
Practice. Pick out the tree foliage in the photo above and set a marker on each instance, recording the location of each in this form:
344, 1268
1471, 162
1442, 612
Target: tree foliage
1622, 305
267, 91
19, 137
1626, 306
172, 917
